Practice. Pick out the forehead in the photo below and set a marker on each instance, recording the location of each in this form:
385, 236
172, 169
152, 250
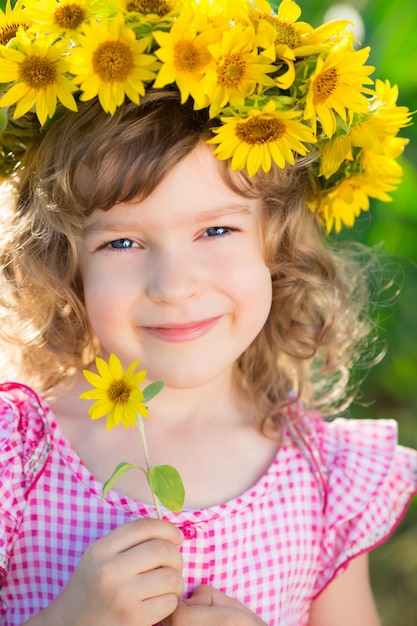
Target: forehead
193, 190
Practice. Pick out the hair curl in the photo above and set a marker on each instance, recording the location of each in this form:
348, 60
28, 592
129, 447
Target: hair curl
90, 160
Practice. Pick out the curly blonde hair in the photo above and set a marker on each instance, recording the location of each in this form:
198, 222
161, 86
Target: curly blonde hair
89, 160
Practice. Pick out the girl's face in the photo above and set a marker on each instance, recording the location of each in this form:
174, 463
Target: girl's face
178, 280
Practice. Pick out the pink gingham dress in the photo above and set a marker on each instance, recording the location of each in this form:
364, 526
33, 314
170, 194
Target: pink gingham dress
335, 490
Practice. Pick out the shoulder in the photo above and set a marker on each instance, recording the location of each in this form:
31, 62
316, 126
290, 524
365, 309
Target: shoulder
361, 452
361, 457
367, 481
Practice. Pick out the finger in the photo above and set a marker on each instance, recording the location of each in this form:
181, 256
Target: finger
208, 596
185, 615
136, 532
160, 582
159, 610
149, 555
198, 615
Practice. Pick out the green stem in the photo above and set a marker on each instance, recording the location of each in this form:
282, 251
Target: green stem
141, 427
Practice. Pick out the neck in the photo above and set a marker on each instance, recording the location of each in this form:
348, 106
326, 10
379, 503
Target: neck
211, 404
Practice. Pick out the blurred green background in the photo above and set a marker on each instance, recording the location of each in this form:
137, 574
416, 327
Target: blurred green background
390, 390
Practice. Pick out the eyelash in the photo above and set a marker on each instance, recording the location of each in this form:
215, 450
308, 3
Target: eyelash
226, 231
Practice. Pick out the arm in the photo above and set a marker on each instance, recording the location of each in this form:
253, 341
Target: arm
347, 600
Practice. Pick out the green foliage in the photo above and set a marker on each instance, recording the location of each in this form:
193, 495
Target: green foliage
118, 472
167, 485
390, 390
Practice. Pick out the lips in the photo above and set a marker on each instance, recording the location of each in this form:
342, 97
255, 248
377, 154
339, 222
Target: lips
182, 332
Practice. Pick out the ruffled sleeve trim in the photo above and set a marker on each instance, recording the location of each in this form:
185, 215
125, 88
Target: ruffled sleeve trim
24, 449
368, 481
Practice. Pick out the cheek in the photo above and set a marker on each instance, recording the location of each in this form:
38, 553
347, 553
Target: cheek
104, 302
253, 291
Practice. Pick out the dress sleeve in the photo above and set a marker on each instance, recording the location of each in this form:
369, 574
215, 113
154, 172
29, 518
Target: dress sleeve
369, 481
24, 447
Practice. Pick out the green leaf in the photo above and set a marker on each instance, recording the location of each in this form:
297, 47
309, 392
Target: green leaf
166, 483
152, 390
121, 469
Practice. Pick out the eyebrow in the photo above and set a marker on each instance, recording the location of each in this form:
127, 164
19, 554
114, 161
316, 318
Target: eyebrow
205, 216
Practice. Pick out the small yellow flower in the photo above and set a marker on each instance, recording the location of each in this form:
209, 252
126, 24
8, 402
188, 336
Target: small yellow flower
59, 17
184, 55
337, 85
38, 73
116, 392
110, 63
342, 204
260, 138
288, 32
283, 37
11, 20
376, 129
236, 70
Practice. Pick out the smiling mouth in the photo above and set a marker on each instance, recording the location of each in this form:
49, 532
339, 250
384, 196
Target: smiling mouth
182, 332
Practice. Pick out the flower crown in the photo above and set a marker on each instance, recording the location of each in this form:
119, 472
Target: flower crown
277, 86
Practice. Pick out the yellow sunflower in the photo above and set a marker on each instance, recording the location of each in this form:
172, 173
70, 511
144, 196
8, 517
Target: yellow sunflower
383, 122
37, 72
287, 33
262, 137
110, 62
11, 20
116, 392
337, 85
283, 37
184, 55
235, 70
62, 16
342, 204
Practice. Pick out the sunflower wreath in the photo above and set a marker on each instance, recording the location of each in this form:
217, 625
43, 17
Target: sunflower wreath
278, 87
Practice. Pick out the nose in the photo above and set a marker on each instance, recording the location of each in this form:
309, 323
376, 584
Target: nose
172, 277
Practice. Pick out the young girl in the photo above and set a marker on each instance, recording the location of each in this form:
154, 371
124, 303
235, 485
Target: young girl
126, 235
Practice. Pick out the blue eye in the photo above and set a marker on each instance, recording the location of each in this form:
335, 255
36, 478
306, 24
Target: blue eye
217, 231
119, 244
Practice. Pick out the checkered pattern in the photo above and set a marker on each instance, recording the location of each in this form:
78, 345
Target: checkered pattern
334, 491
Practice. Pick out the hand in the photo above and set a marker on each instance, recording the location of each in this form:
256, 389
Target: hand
131, 576
210, 607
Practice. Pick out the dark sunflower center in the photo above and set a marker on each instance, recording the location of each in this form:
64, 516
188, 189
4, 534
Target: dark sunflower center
119, 392
37, 72
232, 71
9, 31
112, 61
159, 7
69, 16
186, 56
260, 130
286, 32
325, 85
